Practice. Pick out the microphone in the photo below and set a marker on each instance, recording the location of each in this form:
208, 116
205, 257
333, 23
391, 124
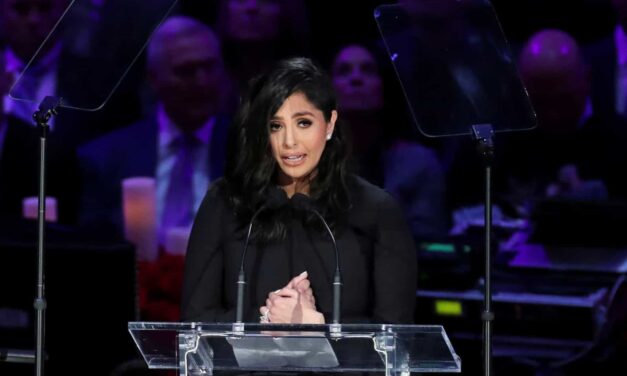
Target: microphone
275, 199
303, 202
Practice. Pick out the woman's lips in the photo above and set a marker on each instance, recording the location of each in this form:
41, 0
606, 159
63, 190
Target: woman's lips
294, 160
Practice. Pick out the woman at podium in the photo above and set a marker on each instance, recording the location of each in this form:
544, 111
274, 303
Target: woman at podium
287, 160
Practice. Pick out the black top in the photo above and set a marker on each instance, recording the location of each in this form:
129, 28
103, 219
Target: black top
377, 257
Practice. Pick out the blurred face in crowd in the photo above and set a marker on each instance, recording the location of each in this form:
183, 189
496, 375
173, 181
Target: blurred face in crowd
26, 23
298, 136
187, 77
253, 20
356, 80
556, 77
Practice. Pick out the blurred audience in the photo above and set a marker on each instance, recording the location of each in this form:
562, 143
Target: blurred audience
383, 151
256, 33
577, 151
52, 70
81, 61
26, 23
121, 29
182, 144
456, 70
568, 156
574, 156
19, 139
18, 145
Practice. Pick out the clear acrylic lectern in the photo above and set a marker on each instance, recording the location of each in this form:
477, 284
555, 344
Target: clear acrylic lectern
201, 348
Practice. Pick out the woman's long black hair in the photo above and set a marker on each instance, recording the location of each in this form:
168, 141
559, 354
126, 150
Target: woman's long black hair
251, 170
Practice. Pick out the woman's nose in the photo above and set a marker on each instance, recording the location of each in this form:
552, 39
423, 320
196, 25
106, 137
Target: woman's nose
289, 137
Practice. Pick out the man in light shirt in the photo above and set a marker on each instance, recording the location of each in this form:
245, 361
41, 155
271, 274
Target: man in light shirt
182, 145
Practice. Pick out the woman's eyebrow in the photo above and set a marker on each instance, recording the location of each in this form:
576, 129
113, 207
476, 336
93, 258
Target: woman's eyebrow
298, 114
302, 113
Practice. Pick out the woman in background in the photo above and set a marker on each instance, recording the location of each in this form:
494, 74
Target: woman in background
386, 151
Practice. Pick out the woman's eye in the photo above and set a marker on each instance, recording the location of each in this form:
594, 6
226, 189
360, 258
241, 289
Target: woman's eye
304, 123
275, 126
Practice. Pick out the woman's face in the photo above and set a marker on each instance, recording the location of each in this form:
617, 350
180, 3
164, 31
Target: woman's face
253, 20
356, 80
298, 135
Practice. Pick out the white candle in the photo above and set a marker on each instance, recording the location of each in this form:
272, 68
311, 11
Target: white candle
176, 239
139, 199
30, 208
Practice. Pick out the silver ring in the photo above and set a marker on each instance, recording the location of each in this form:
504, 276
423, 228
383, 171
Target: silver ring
265, 318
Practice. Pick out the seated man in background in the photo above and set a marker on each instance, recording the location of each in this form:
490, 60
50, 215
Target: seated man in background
79, 62
83, 50
25, 24
567, 156
182, 145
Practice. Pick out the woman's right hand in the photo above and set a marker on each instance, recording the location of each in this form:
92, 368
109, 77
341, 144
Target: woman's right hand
293, 304
288, 306
302, 285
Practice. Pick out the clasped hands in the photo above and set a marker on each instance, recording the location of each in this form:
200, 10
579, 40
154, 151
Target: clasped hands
292, 304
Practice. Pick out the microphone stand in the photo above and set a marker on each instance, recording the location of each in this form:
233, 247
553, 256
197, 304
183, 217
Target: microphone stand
303, 202
241, 277
337, 279
48, 107
483, 134
275, 200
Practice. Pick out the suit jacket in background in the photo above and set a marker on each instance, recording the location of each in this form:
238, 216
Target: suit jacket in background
124, 153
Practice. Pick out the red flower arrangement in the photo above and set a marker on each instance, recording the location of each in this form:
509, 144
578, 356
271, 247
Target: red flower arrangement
160, 285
